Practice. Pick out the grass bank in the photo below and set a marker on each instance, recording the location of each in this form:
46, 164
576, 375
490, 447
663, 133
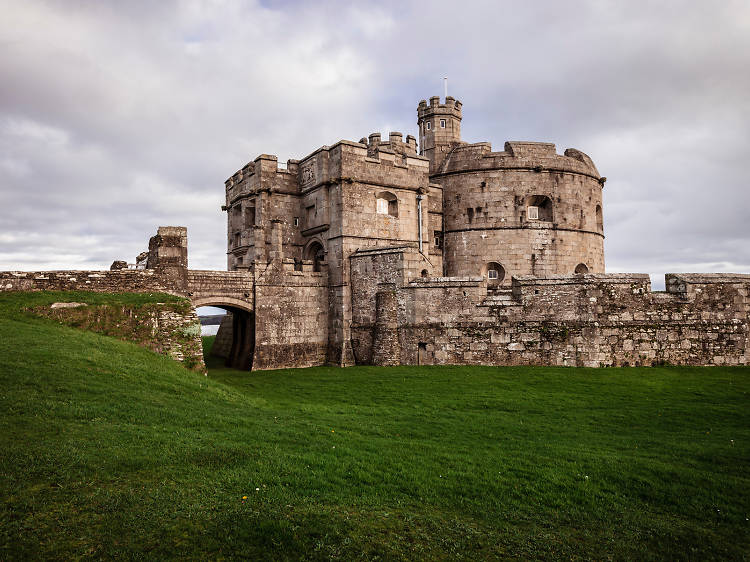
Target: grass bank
109, 450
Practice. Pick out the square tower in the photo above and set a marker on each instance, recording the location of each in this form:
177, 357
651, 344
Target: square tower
439, 129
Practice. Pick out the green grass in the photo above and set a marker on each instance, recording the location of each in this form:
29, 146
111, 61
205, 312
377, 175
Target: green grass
109, 450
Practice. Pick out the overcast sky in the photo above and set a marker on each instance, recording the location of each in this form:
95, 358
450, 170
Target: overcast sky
118, 117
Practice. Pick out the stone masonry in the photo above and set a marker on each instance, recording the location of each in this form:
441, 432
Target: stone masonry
385, 252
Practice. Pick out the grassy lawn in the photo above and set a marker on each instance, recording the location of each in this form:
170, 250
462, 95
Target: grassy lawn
109, 450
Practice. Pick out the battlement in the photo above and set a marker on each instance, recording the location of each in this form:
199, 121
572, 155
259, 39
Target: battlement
394, 144
451, 107
535, 156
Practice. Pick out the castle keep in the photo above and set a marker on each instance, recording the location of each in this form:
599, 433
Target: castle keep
393, 251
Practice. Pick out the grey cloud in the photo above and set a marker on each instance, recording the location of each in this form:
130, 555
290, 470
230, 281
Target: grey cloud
118, 117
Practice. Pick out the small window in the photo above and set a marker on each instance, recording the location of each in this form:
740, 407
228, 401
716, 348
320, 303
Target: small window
239, 260
296, 221
237, 239
249, 217
442, 123
495, 273
424, 273
428, 125
470, 214
438, 236
386, 204
310, 215
538, 207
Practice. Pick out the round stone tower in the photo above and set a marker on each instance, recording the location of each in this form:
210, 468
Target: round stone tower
524, 211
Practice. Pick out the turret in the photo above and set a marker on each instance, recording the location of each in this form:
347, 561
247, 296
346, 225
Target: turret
439, 128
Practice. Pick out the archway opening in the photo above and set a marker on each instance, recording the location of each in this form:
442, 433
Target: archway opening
233, 343
581, 268
317, 254
495, 274
386, 203
538, 208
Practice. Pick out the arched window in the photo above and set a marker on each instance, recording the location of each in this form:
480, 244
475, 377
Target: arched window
599, 221
424, 273
317, 254
538, 208
495, 273
582, 268
386, 203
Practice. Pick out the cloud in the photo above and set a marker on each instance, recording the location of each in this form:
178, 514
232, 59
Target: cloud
119, 117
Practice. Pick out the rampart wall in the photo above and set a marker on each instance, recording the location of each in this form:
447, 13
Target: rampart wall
578, 320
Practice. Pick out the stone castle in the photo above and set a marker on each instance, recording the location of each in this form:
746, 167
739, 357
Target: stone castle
444, 252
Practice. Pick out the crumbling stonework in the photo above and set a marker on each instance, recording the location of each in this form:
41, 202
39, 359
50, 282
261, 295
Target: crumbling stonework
168, 328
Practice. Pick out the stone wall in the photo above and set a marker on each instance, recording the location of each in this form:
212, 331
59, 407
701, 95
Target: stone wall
291, 317
116, 281
169, 328
579, 320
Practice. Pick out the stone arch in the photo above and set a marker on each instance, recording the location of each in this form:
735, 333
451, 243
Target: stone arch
539, 206
241, 344
581, 268
386, 203
315, 252
220, 301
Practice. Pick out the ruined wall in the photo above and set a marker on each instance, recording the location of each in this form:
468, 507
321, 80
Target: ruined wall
117, 281
578, 320
167, 328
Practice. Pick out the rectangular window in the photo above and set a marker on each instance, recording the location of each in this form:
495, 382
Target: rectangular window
382, 206
492, 274
470, 214
296, 221
239, 260
249, 217
237, 238
533, 212
438, 236
428, 125
442, 123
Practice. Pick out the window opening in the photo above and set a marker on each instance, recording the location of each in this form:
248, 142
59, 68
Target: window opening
387, 204
442, 123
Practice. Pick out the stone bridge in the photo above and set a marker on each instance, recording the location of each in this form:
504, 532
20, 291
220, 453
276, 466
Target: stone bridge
234, 292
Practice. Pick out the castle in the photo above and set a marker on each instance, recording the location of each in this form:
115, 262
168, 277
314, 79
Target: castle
388, 252
451, 253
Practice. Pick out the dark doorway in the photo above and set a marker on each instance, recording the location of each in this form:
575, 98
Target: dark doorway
422, 353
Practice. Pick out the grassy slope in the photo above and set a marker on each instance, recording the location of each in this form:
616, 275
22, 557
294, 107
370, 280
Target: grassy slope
108, 449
